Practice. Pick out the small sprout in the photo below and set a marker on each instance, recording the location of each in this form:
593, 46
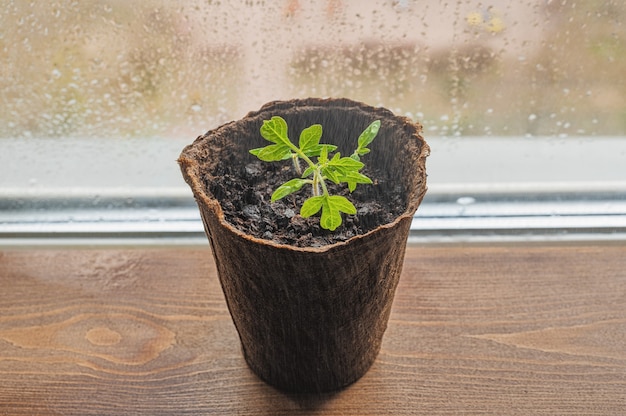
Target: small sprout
334, 168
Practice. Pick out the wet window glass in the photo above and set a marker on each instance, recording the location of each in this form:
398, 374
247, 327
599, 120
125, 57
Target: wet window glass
158, 68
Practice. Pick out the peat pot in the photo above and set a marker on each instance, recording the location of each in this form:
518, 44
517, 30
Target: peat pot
310, 319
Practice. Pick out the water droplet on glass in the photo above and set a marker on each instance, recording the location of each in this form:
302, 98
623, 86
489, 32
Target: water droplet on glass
465, 200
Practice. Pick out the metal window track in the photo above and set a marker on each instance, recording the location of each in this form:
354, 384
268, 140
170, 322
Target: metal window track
441, 218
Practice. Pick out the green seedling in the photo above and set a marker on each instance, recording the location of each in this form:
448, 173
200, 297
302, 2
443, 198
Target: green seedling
329, 166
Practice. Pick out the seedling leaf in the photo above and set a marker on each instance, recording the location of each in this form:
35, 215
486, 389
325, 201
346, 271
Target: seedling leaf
311, 206
354, 178
288, 187
331, 174
317, 150
272, 153
333, 206
310, 138
308, 172
369, 134
345, 164
323, 159
275, 130
339, 167
365, 139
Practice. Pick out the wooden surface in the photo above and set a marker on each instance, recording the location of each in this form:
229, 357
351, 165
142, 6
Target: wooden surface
524, 330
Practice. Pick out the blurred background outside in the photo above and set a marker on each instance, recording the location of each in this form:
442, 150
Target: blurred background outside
160, 68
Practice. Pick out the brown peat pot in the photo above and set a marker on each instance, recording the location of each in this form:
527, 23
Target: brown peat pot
310, 319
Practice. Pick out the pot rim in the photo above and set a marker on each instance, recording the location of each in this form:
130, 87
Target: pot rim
191, 167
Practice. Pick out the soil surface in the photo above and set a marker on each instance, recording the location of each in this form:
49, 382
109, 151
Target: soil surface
244, 194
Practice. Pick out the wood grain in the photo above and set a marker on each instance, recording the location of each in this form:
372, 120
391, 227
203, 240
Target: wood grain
513, 330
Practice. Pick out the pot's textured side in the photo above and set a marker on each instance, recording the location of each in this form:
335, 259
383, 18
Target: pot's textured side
309, 319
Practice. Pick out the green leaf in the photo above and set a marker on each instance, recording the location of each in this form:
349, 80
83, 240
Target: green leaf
345, 164
332, 208
354, 178
357, 177
272, 153
310, 138
275, 130
365, 139
341, 203
317, 150
340, 167
308, 171
331, 174
323, 158
288, 187
311, 206
369, 134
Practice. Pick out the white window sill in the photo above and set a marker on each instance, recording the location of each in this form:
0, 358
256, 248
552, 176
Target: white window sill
74, 191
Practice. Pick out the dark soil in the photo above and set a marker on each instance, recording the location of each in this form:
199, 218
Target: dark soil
244, 194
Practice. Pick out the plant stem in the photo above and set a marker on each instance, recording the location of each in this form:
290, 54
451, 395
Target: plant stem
296, 163
317, 176
299, 154
318, 180
323, 182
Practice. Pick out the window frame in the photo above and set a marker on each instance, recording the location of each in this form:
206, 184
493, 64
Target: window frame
130, 192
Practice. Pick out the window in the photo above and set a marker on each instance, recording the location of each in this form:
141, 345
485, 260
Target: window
523, 104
